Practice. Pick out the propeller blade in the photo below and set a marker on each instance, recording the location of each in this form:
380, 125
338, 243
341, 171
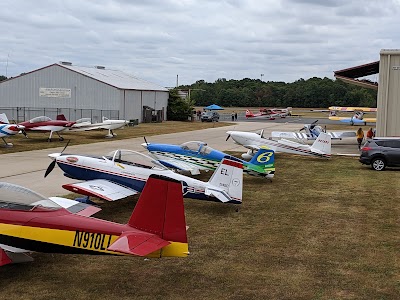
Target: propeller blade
227, 138
302, 128
64, 148
314, 122
24, 133
50, 168
145, 140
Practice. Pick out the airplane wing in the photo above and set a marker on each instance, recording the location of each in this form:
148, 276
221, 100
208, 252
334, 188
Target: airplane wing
100, 188
252, 147
180, 165
140, 244
288, 135
341, 134
76, 207
10, 255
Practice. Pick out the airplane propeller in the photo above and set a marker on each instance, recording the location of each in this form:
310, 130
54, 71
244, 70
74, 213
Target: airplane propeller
53, 163
227, 138
145, 140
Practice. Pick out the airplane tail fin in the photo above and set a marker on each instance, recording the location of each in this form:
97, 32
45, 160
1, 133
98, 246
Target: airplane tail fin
226, 183
4, 119
249, 113
160, 211
262, 163
322, 145
61, 118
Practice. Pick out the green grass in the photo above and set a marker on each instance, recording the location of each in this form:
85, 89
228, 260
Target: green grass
322, 229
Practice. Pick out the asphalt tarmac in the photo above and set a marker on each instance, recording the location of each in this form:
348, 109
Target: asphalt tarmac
28, 168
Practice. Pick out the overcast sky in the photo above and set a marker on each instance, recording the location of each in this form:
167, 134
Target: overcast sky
158, 39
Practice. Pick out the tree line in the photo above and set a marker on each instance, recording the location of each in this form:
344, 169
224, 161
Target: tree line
313, 92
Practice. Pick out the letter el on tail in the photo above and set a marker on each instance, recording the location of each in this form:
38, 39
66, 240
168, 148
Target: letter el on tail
226, 184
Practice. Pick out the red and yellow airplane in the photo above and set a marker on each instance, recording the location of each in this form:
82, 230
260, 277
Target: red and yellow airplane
30, 222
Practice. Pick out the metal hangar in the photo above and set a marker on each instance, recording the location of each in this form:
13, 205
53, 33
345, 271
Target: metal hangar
81, 92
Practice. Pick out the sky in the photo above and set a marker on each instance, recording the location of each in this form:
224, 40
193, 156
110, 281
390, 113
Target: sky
156, 40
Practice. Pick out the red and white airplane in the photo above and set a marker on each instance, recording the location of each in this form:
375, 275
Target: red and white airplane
269, 113
30, 222
44, 123
7, 129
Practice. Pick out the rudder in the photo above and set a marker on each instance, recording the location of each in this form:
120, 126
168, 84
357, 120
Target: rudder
160, 211
229, 177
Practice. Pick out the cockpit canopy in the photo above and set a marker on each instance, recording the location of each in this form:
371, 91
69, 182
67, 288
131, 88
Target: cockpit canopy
39, 119
197, 146
17, 197
134, 158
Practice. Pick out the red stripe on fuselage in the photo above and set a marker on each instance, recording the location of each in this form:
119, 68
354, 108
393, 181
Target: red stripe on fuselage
232, 163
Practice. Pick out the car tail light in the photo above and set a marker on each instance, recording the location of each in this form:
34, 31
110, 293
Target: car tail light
366, 148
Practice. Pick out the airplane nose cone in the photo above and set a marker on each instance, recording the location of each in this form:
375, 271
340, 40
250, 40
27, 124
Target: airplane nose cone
53, 156
21, 127
144, 145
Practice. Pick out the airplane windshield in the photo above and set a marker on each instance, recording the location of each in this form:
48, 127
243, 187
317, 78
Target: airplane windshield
134, 158
193, 145
17, 197
40, 119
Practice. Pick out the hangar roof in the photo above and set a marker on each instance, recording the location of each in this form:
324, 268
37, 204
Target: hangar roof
349, 75
115, 78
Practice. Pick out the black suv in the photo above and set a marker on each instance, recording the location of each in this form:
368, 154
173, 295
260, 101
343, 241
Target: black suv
381, 153
210, 116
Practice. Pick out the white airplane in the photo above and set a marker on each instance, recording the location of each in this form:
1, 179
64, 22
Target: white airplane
312, 131
7, 129
123, 173
253, 141
86, 124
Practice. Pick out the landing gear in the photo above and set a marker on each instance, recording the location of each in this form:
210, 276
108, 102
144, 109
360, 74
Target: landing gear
7, 145
110, 134
60, 138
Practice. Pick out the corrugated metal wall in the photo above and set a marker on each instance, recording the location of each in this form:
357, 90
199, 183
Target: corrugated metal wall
86, 93
388, 114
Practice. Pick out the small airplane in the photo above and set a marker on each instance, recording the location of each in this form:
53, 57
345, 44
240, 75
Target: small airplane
7, 129
280, 112
86, 124
312, 131
123, 173
254, 141
44, 123
261, 115
194, 156
357, 118
30, 222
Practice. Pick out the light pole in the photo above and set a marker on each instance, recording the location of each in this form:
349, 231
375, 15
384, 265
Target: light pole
262, 76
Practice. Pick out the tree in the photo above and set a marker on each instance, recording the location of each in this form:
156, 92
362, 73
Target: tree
179, 109
2, 77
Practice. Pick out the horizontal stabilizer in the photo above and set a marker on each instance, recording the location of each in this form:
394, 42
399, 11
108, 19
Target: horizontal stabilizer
221, 195
100, 188
138, 243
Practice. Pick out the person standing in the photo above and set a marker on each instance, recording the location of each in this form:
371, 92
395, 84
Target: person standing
360, 137
370, 134
235, 116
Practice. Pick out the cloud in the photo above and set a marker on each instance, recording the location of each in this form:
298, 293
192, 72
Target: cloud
156, 40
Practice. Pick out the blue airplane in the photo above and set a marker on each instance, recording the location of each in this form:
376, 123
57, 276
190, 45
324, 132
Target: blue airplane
195, 156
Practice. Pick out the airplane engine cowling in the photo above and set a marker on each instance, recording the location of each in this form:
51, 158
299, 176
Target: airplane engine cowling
247, 156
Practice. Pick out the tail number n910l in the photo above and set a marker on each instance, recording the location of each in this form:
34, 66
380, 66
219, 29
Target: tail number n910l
92, 241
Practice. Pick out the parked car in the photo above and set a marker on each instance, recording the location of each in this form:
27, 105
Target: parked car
381, 153
210, 116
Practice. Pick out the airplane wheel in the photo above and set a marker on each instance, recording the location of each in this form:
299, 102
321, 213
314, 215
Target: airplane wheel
61, 139
49, 140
